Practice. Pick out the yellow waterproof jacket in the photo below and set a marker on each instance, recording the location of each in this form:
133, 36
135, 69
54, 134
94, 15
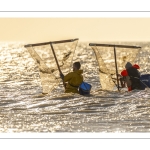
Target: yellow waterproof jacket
74, 79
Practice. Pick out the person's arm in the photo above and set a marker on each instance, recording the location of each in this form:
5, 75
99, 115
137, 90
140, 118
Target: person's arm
62, 76
124, 73
67, 77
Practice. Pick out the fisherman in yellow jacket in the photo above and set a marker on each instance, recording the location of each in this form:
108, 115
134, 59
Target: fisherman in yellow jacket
73, 79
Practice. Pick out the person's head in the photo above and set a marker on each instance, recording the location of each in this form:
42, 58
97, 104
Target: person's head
76, 66
128, 65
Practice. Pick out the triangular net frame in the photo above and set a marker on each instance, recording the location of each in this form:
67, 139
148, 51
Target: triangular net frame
112, 60
43, 55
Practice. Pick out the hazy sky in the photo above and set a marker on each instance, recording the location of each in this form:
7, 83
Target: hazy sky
86, 29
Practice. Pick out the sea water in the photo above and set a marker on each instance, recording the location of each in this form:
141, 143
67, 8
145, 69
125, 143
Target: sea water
24, 109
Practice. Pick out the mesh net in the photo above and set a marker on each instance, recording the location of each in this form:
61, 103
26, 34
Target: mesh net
106, 61
44, 58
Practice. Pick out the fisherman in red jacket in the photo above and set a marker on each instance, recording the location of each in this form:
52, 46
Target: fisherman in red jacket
131, 76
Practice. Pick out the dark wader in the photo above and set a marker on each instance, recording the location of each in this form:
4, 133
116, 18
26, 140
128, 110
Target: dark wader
134, 78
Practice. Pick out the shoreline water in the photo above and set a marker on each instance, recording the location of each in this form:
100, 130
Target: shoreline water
21, 111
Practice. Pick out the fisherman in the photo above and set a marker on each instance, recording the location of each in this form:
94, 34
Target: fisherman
131, 76
73, 79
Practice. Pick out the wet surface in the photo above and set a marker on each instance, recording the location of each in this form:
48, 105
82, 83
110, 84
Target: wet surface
24, 109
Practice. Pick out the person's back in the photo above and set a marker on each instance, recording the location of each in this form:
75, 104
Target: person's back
132, 76
73, 79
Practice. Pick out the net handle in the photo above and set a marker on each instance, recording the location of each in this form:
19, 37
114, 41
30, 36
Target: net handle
116, 68
55, 58
57, 62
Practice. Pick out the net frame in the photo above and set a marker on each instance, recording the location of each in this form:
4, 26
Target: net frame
115, 56
51, 43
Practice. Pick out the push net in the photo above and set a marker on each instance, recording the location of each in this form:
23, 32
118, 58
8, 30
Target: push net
44, 57
105, 55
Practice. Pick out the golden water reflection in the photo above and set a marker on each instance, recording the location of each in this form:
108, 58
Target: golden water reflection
23, 109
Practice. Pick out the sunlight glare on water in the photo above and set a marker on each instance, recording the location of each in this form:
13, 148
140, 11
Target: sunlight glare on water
24, 109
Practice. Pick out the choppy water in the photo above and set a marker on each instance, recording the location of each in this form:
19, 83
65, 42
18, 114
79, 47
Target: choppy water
23, 109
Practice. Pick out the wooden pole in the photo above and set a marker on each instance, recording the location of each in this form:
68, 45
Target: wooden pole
56, 62
53, 42
55, 58
111, 45
116, 68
